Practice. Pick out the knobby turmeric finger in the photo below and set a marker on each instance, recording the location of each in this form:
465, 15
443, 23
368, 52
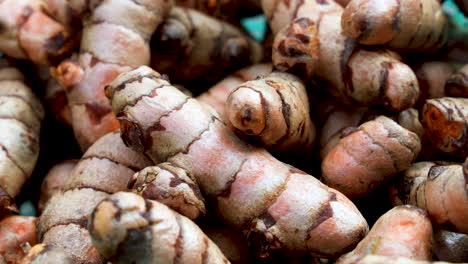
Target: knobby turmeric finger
126, 228
404, 231
218, 94
441, 190
279, 208
368, 156
171, 186
115, 39
273, 111
190, 45
407, 25
105, 168
29, 32
21, 115
313, 46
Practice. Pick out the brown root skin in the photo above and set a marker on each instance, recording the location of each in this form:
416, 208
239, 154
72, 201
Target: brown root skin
129, 229
190, 45
16, 234
313, 47
42, 254
218, 94
446, 123
55, 180
404, 231
450, 246
457, 84
232, 244
171, 186
268, 200
105, 168
432, 78
29, 32
438, 189
368, 156
115, 38
274, 111
21, 114
412, 26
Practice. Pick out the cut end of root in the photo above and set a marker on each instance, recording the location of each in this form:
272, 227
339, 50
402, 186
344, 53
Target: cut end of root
441, 131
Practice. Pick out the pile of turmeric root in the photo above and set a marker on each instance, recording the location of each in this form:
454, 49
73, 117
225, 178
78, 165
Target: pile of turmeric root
160, 131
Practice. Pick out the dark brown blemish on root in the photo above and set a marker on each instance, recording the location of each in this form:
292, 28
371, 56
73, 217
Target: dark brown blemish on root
246, 116
179, 241
135, 247
55, 43
138, 79
7, 153
304, 22
226, 192
326, 212
267, 219
294, 170
289, 51
435, 171
131, 183
383, 82
206, 252
346, 71
131, 133
175, 181
265, 245
303, 38
156, 127
364, 27
396, 19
